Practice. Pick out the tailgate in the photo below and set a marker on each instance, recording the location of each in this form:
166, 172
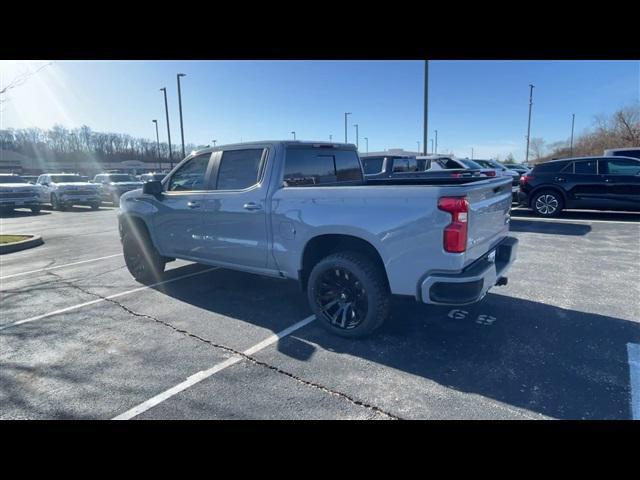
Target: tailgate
489, 207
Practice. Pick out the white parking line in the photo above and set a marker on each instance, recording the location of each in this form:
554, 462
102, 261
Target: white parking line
59, 266
633, 353
204, 374
98, 300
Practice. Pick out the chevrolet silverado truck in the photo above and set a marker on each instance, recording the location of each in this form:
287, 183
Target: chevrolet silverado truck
64, 190
305, 211
113, 185
16, 192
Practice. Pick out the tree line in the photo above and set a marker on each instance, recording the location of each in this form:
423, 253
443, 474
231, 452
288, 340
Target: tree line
620, 130
83, 144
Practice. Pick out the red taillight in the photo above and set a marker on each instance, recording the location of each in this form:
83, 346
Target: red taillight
490, 173
525, 178
455, 234
456, 175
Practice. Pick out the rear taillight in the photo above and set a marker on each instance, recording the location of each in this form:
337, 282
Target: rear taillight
525, 178
455, 234
490, 173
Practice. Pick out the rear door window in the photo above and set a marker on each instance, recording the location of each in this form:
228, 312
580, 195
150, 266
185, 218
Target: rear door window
585, 167
372, 165
239, 169
320, 166
403, 165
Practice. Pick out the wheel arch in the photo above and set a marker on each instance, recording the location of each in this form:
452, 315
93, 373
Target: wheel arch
323, 245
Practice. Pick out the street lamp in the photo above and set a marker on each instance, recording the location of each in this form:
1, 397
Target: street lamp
180, 108
294, 135
157, 144
418, 142
436, 151
426, 103
432, 145
345, 126
214, 143
529, 125
366, 139
330, 138
573, 120
166, 109
471, 153
357, 136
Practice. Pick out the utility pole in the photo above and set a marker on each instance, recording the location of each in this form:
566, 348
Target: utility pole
166, 109
180, 108
366, 139
157, 145
345, 126
436, 142
357, 137
531, 86
573, 120
426, 105
330, 138
432, 145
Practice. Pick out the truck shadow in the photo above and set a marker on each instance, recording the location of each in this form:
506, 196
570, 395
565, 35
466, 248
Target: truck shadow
557, 362
22, 213
553, 228
631, 217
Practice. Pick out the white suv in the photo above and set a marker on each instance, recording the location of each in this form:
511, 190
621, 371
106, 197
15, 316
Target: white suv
63, 190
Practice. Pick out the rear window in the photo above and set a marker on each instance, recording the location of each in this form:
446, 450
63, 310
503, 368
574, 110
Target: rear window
320, 166
372, 165
471, 164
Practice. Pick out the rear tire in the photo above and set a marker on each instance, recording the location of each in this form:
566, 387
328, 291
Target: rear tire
349, 294
95, 206
141, 257
547, 203
35, 209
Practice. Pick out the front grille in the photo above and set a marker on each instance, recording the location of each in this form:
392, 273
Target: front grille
17, 195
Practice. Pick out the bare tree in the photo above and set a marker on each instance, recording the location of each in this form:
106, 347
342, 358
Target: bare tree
537, 147
19, 80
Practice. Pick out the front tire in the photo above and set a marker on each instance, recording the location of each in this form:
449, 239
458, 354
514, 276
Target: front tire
141, 257
349, 294
547, 203
35, 209
95, 206
56, 205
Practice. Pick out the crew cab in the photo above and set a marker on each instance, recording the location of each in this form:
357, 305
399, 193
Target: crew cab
305, 211
113, 185
63, 190
594, 183
16, 192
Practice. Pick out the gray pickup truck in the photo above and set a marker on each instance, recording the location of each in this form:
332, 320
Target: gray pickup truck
304, 211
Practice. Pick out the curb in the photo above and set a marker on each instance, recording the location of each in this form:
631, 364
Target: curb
23, 245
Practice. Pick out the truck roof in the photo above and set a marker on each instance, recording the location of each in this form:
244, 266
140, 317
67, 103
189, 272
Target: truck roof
349, 146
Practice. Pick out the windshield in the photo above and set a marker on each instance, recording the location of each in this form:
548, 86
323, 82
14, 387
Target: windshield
12, 179
66, 178
122, 178
471, 163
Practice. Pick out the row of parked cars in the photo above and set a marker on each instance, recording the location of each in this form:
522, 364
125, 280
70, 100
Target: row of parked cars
63, 190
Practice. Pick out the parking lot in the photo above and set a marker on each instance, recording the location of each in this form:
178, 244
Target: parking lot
80, 339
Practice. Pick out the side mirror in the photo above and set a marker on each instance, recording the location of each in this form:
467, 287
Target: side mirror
153, 187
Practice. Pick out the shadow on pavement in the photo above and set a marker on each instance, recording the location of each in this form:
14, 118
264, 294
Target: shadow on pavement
558, 362
554, 228
22, 213
632, 217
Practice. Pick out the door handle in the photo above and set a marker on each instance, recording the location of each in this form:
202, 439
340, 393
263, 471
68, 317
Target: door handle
559, 179
252, 206
193, 205
608, 180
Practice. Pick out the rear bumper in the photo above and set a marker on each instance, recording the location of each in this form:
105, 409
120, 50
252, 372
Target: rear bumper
473, 283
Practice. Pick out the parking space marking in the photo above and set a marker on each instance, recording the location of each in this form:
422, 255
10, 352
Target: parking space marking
59, 266
633, 353
103, 299
204, 374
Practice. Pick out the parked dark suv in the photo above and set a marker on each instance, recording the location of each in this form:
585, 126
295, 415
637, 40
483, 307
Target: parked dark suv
594, 183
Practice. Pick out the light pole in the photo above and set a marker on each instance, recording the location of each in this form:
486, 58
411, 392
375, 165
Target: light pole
294, 135
366, 139
418, 142
573, 120
214, 143
529, 125
432, 145
345, 126
180, 108
436, 151
471, 153
330, 138
166, 109
357, 137
426, 104
157, 145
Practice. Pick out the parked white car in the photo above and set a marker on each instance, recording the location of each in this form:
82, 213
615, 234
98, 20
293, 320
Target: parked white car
63, 190
16, 192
